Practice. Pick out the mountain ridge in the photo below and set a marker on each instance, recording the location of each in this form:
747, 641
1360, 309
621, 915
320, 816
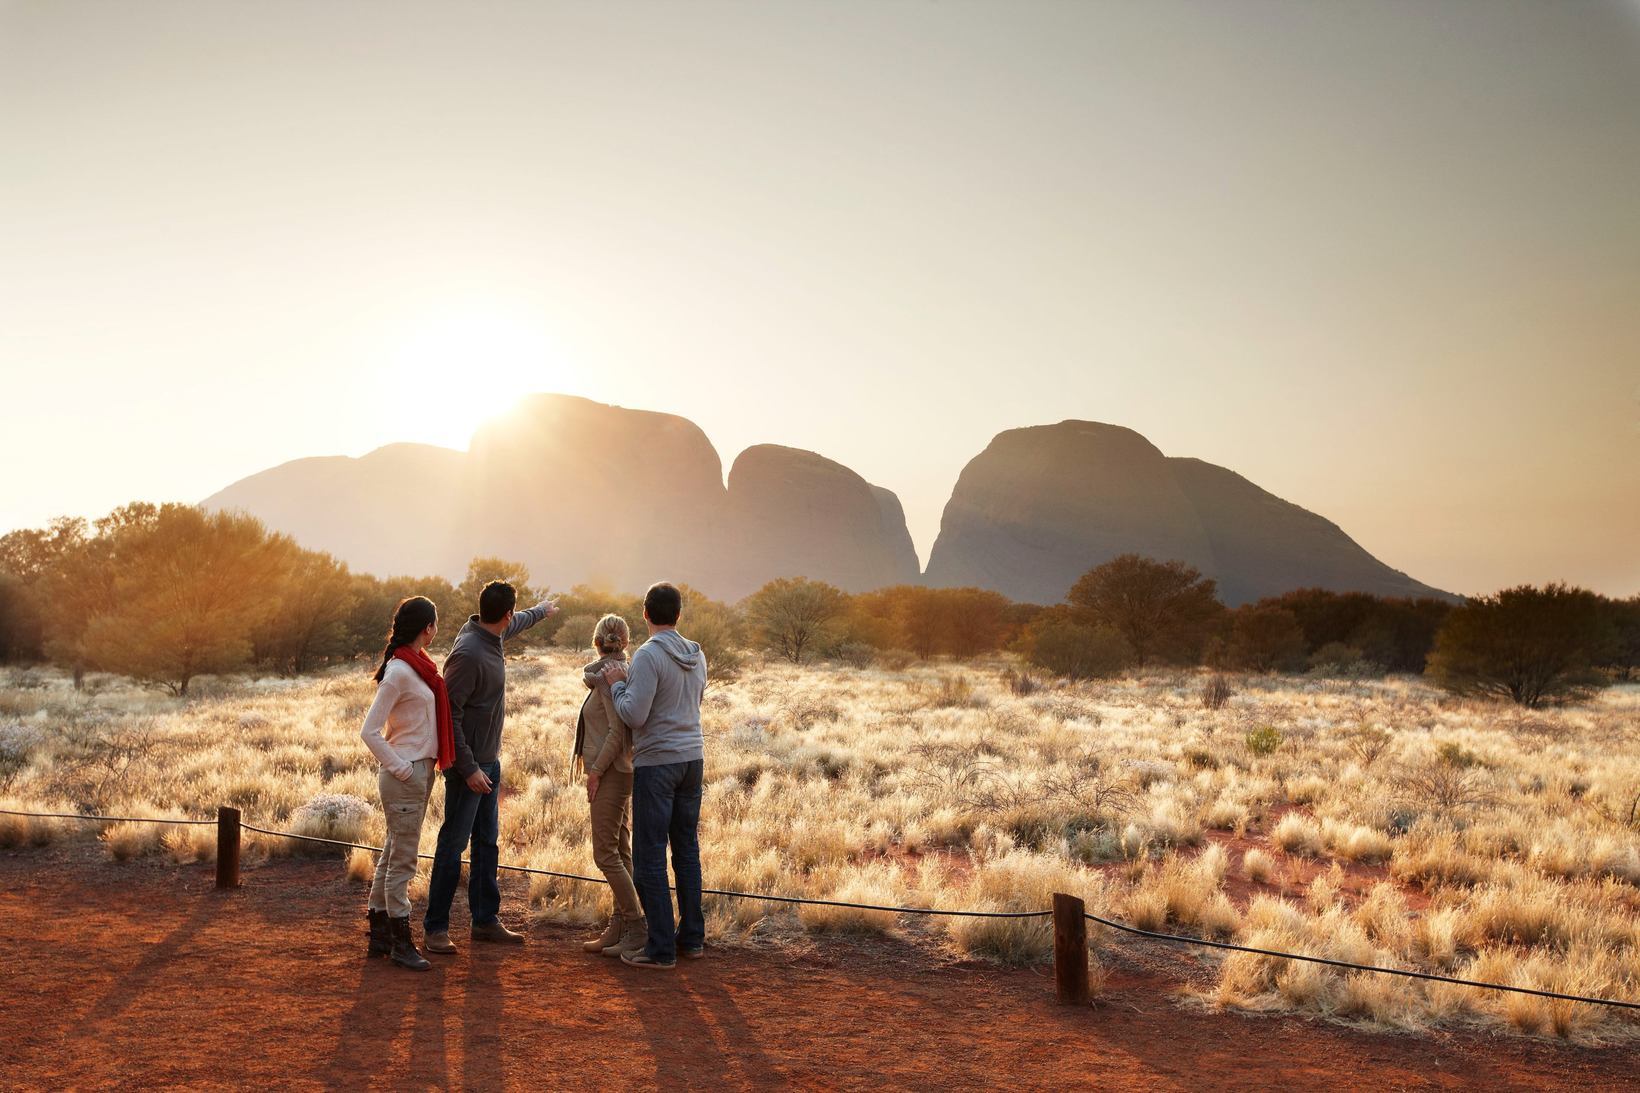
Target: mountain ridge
586, 492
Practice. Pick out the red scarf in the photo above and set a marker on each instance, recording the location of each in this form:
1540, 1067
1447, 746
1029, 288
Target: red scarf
428, 671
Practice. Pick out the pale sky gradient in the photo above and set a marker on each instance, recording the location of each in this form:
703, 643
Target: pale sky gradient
1382, 258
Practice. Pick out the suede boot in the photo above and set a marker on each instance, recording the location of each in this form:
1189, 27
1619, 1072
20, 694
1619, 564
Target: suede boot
611, 934
634, 936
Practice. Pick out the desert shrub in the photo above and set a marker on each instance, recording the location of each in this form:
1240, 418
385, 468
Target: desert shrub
794, 617
1201, 759
1265, 638
1019, 684
1017, 881
1264, 740
1296, 833
1076, 650
1529, 645
360, 866
1341, 660
1163, 611
339, 816
1257, 866
954, 691
855, 654
1453, 754
575, 632
719, 630
1216, 692
17, 742
1394, 633
877, 885
896, 660
1449, 784
928, 622
127, 841
1366, 743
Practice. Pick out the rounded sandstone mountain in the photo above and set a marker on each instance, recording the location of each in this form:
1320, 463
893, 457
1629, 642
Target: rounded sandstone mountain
795, 513
1043, 505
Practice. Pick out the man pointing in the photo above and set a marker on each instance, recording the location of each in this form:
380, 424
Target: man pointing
475, 675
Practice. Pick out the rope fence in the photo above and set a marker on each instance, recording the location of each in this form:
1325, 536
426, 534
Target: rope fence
1069, 913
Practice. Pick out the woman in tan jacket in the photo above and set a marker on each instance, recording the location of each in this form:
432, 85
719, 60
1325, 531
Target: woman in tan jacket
604, 746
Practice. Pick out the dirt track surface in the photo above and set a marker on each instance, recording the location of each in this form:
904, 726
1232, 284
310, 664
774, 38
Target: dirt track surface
140, 974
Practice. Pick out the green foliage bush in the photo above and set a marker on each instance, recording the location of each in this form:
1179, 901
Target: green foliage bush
1529, 645
1264, 740
1077, 650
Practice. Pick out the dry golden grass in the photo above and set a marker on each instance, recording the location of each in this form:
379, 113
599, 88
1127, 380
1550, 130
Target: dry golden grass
1404, 827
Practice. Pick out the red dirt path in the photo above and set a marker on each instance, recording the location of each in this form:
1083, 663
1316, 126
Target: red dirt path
141, 974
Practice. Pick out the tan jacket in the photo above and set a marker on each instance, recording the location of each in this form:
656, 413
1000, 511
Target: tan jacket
598, 747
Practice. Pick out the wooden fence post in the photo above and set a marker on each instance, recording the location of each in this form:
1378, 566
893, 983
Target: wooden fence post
1070, 949
227, 847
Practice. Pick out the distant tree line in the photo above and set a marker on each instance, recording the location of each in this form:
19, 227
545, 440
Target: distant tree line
1530, 645
168, 593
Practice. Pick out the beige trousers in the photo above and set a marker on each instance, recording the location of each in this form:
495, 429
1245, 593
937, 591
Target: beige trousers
612, 839
405, 804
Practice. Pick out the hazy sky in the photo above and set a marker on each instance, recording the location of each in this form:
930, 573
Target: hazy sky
1382, 258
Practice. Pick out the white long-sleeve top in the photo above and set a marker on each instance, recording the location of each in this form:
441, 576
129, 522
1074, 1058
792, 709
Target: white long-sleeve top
402, 725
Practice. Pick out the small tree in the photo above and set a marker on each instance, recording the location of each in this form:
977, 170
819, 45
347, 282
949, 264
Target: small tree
1058, 642
480, 572
189, 589
1165, 611
792, 616
1530, 645
19, 624
1265, 638
720, 631
317, 597
374, 600
1623, 657
57, 578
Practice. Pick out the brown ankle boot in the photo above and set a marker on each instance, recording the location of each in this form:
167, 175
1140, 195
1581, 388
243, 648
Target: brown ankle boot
381, 935
634, 935
611, 934
404, 946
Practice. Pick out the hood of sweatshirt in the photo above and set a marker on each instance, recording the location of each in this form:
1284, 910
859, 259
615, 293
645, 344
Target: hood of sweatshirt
679, 648
603, 661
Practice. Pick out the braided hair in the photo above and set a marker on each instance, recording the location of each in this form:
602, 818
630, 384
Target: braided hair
412, 617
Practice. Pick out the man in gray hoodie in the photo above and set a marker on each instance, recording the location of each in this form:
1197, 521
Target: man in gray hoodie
659, 696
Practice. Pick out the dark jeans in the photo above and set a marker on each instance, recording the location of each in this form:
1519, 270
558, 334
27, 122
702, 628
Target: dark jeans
666, 808
473, 817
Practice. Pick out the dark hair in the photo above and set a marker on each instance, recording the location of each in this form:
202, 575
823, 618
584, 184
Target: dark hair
663, 603
495, 601
410, 618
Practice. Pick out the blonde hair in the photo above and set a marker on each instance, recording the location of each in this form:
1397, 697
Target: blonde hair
611, 635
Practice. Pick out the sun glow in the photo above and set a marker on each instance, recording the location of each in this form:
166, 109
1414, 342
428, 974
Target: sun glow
461, 369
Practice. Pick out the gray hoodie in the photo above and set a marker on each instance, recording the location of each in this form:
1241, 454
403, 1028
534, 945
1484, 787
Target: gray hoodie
660, 699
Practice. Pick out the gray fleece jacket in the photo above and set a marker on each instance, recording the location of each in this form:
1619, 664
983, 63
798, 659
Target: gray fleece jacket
660, 699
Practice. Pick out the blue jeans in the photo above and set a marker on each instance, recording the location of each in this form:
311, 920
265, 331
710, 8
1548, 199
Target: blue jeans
468, 817
666, 808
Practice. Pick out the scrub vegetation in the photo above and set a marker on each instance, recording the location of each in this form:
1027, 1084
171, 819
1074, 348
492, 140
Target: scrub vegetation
1381, 821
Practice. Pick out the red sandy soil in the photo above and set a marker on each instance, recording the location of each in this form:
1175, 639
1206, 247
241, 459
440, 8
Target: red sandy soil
140, 974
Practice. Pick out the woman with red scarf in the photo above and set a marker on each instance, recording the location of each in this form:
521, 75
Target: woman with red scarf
408, 730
